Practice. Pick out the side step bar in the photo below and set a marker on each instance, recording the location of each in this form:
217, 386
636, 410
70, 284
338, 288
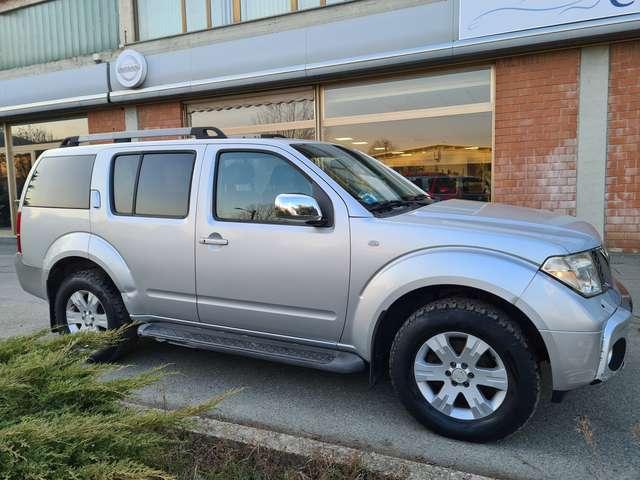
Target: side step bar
255, 347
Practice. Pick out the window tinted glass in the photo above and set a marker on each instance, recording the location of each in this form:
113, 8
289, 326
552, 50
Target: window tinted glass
164, 184
249, 182
63, 182
125, 170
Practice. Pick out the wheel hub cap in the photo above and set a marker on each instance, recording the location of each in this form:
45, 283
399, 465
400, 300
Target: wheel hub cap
460, 375
84, 311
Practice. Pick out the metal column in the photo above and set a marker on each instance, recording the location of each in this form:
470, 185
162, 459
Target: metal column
11, 175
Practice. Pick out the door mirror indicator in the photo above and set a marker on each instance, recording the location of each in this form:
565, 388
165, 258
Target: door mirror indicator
299, 208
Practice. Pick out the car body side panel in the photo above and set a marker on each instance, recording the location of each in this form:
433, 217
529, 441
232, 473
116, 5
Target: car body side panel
280, 279
158, 252
493, 272
49, 232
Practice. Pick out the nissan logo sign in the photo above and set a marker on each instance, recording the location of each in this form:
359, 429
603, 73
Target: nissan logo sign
131, 69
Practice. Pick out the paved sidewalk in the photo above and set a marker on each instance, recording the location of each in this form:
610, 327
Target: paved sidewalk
626, 267
344, 410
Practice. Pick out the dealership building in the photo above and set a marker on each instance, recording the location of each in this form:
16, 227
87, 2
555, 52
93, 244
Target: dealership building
529, 102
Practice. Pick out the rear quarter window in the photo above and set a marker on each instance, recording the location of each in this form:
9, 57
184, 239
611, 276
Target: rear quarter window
61, 182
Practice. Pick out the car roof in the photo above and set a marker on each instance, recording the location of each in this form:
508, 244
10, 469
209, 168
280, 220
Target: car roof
95, 148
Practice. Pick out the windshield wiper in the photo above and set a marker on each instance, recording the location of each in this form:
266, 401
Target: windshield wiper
417, 198
391, 204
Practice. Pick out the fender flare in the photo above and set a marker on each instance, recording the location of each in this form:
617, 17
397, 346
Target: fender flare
497, 273
100, 252
74, 244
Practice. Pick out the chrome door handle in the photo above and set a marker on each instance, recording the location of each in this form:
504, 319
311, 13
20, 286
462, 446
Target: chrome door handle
214, 239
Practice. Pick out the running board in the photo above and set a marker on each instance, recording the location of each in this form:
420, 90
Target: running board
255, 347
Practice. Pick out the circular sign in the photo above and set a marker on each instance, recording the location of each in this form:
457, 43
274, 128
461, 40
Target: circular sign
131, 69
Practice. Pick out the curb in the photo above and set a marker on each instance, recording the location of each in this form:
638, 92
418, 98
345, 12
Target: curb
284, 443
393, 467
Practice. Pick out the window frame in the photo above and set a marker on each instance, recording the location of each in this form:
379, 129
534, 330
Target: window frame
236, 16
141, 154
319, 194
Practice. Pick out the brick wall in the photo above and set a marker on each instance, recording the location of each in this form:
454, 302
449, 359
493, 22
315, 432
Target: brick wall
106, 120
160, 115
536, 118
622, 215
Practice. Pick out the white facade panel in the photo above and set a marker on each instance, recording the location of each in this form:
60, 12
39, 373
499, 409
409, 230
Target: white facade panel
493, 17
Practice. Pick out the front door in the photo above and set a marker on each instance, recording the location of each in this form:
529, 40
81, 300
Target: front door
265, 274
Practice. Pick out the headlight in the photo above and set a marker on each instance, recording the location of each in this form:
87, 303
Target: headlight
578, 271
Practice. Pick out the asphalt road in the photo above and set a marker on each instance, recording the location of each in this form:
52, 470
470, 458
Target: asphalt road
342, 409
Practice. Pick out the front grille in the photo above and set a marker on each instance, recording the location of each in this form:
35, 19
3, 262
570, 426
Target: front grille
601, 262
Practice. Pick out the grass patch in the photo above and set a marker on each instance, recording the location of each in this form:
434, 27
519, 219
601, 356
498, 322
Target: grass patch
61, 419
203, 458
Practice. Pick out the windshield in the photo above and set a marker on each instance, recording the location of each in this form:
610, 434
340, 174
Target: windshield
373, 184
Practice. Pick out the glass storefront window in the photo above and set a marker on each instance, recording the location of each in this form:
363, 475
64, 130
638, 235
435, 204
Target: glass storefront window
5, 213
22, 163
28, 142
406, 94
434, 129
288, 113
30, 134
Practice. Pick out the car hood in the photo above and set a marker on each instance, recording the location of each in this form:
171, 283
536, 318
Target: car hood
525, 232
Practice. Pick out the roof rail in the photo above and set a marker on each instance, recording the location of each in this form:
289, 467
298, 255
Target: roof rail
201, 133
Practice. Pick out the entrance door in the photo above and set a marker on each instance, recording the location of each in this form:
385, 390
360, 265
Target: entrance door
267, 274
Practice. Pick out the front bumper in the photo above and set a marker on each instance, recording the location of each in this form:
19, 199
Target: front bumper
614, 338
586, 338
614, 345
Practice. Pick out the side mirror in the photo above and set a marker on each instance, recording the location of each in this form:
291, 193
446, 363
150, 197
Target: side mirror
298, 208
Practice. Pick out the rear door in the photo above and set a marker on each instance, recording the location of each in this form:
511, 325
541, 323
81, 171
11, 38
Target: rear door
147, 214
268, 275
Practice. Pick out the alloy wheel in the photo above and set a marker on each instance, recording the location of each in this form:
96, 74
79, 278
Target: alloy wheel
84, 311
460, 375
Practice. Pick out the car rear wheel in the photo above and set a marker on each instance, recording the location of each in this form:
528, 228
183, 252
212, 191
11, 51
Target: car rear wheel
87, 301
464, 370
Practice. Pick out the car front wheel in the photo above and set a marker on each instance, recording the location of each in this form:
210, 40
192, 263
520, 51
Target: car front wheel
464, 370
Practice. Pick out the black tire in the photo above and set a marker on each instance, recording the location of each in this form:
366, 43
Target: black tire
96, 282
489, 324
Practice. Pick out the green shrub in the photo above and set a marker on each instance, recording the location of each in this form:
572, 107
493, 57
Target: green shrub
62, 418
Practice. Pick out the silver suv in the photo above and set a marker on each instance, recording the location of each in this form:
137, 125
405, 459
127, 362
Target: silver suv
315, 255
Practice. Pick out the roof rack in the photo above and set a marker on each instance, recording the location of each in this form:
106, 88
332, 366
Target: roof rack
201, 133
